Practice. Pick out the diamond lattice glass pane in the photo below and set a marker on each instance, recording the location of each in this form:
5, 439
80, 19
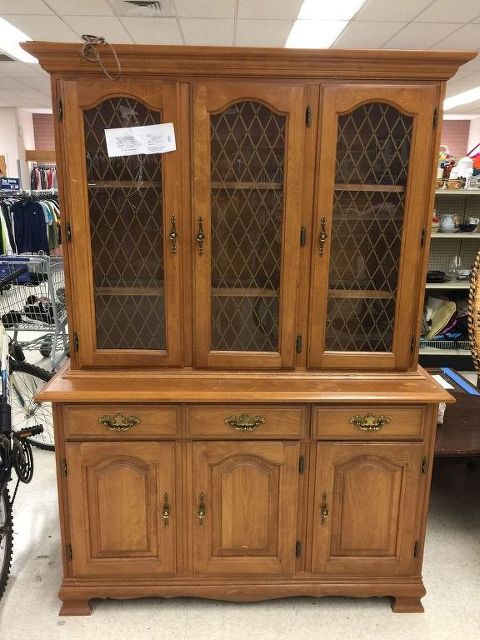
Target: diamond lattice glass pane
247, 164
366, 240
373, 149
359, 324
126, 213
373, 146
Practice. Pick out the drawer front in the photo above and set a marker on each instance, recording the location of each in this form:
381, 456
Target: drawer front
377, 422
119, 421
245, 421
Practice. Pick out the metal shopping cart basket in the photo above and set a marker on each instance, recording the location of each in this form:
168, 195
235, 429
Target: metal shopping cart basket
35, 302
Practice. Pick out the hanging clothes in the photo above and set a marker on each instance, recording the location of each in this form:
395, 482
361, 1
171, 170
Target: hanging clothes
43, 176
29, 223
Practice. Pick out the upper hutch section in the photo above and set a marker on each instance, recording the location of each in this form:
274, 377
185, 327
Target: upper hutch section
284, 231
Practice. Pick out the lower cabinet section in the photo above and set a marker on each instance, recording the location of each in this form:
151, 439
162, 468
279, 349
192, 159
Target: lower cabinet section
245, 501
245, 518
122, 508
366, 498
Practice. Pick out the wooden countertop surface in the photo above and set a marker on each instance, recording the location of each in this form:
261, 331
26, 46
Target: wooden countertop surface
186, 385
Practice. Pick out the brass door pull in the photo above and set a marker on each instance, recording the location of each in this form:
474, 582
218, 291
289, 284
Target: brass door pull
166, 511
202, 510
369, 422
119, 422
245, 422
173, 235
323, 237
200, 237
324, 510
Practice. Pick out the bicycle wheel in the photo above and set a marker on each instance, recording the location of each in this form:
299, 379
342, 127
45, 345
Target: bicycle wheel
6, 538
25, 381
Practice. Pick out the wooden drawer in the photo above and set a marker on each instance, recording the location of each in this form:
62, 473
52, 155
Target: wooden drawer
154, 421
368, 422
252, 421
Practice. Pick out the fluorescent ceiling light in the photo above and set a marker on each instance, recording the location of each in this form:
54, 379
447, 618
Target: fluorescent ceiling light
462, 98
10, 37
320, 22
329, 9
314, 34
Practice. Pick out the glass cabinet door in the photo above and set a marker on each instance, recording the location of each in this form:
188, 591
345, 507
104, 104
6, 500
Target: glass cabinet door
128, 302
248, 152
373, 184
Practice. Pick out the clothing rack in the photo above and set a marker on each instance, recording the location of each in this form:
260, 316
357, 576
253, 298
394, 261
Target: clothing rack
30, 221
43, 175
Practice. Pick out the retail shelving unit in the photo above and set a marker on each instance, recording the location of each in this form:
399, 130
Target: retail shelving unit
443, 249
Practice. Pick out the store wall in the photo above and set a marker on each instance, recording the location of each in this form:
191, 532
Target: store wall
455, 135
9, 140
26, 140
474, 136
43, 130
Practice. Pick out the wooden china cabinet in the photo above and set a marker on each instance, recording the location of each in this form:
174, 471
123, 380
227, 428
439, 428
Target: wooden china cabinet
243, 416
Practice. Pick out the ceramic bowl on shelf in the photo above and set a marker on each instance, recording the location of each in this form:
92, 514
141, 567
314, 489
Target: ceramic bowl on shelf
466, 227
456, 183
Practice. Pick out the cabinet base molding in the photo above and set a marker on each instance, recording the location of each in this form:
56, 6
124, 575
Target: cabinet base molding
405, 596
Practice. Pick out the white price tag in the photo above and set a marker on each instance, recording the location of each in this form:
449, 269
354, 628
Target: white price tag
132, 141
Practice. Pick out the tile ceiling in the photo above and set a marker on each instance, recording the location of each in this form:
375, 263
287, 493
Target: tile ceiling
384, 24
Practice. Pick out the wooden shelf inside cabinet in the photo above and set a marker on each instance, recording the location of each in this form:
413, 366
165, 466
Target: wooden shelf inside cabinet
129, 291
247, 185
383, 188
122, 184
359, 293
249, 292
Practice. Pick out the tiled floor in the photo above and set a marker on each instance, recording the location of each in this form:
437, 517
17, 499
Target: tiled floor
451, 573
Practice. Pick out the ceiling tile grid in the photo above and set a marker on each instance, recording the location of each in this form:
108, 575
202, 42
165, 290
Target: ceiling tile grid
404, 24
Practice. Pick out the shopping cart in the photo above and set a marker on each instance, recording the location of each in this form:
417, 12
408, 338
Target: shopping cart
35, 302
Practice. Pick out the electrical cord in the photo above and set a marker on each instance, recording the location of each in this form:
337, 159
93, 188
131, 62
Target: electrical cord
90, 52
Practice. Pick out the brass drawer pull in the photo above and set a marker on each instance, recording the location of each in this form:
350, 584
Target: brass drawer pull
369, 422
173, 235
323, 237
324, 510
119, 422
166, 511
202, 510
200, 237
245, 422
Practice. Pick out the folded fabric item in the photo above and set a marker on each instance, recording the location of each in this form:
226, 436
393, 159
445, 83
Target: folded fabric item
440, 312
449, 326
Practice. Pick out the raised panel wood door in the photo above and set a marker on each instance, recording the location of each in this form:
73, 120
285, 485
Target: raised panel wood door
122, 508
374, 185
244, 503
366, 499
247, 177
127, 235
